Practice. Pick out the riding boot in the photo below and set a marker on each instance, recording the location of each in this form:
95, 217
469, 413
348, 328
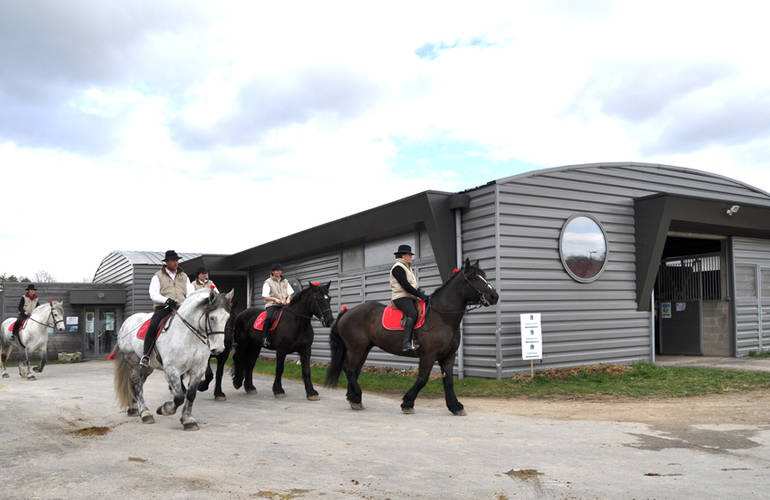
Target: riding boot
149, 343
406, 340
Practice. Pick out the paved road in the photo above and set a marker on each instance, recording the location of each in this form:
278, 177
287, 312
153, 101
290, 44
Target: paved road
259, 447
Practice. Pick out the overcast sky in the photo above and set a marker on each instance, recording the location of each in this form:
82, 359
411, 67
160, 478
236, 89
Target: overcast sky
216, 126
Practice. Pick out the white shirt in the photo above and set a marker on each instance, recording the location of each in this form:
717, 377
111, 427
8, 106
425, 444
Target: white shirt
266, 290
155, 295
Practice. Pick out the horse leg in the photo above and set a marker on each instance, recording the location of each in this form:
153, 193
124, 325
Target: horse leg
188, 422
354, 363
248, 372
177, 393
204, 385
310, 392
138, 376
43, 361
447, 368
280, 358
426, 363
27, 369
6, 355
221, 360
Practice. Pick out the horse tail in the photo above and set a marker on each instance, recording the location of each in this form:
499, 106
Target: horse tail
124, 389
239, 332
339, 353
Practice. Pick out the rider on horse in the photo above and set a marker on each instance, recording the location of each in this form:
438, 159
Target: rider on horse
404, 291
203, 281
168, 288
277, 292
27, 304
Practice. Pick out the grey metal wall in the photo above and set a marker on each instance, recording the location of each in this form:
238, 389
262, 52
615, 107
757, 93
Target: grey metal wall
751, 261
582, 322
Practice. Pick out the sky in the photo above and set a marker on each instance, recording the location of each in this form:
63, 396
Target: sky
214, 127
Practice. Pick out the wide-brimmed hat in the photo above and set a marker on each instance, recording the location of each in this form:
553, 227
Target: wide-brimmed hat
402, 249
201, 270
276, 267
31, 287
171, 255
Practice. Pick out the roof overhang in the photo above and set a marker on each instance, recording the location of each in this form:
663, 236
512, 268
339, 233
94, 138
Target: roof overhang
429, 210
657, 214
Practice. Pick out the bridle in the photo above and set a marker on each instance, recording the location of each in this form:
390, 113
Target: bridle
202, 336
482, 297
51, 315
318, 313
480, 302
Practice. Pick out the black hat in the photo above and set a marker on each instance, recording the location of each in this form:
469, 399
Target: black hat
276, 267
201, 270
31, 287
171, 255
402, 249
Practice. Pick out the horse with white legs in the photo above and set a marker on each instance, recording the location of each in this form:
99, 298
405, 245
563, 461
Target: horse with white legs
33, 335
193, 333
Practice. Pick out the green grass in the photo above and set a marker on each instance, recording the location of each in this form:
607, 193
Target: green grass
756, 354
639, 381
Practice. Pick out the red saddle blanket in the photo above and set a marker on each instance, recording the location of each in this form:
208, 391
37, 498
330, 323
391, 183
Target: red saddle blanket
142, 333
10, 327
391, 317
259, 323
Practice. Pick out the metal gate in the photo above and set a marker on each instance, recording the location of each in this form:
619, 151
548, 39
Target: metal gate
683, 284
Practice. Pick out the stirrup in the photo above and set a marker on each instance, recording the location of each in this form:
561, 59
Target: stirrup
145, 361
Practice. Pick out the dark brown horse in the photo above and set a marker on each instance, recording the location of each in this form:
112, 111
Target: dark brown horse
357, 330
294, 333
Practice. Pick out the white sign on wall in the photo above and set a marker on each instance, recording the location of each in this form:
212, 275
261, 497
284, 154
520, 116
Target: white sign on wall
72, 320
531, 336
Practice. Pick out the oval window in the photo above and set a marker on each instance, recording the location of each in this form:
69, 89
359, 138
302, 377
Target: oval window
583, 248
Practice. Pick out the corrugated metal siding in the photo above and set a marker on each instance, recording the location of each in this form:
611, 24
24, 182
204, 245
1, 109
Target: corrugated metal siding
115, 268
751, 257
478, 241
592, 322
138, 294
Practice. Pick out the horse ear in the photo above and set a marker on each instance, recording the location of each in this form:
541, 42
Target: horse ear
467, 262
327, 286
212, 297
229, 295
476, 264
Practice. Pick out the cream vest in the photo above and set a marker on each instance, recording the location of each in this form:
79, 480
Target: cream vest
29, 304
396, 290
173, 289
198, 285
278, 289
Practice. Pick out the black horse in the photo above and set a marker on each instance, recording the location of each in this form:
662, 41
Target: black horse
221, 360
294, 333
359, 329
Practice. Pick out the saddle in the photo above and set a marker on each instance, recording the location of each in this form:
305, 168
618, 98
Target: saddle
10, 327
392, 317
259, 323
142, 333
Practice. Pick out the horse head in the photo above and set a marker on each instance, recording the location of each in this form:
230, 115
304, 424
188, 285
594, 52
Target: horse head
215, 311
477, 290
57, 315
321, 303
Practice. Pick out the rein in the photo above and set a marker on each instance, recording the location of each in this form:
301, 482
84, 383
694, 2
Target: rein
50, 315
323, 311
203, 337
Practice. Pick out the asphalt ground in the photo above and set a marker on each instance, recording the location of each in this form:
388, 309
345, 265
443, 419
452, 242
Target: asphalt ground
63, 437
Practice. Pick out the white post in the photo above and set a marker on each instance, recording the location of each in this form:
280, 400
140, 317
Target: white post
652, 326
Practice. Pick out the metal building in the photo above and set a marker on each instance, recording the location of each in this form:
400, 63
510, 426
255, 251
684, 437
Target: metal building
585, 245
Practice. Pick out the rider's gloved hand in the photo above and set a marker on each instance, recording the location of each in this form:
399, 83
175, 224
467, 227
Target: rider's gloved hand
171, 304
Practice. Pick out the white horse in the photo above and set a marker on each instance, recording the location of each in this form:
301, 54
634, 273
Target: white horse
195, 332
33, 335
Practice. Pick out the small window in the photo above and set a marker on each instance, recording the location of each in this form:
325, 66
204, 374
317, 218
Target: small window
583, 248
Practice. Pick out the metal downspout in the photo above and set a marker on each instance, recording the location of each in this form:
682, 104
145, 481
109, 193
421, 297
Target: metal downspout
498, 280
459, 253
652, 326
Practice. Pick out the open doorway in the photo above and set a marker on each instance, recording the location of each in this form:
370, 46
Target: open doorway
692, 303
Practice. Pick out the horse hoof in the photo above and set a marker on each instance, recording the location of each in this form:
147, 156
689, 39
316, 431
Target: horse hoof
460, 413
279, 395
5, 375
132, 412
191, 426
36, 369
356, 406
407, 411
148, 419
31, 377
314, 397
251, 391
220, 398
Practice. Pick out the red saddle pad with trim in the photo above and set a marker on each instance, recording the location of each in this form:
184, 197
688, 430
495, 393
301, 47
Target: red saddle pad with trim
391, 317
10, 327
142, 333
260, 321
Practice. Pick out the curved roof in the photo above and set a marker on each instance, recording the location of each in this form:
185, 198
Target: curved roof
646, 167
116, 267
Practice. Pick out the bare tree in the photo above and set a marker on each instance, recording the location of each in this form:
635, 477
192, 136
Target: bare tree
43, 276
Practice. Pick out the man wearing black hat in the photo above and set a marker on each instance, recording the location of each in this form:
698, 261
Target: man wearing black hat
404, 291
203, 281
168, 288
277, 292
27, 304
